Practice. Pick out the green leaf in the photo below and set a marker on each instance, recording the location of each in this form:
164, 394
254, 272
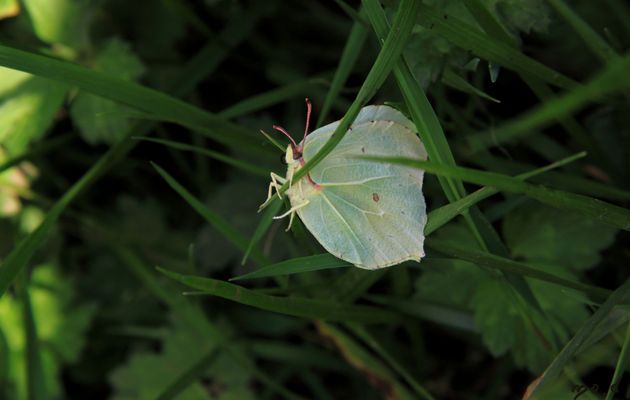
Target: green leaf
58, 21
541, 234
28, 106
98, 119
296, 266
295, 306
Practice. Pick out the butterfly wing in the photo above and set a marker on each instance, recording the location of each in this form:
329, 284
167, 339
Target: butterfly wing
370, 214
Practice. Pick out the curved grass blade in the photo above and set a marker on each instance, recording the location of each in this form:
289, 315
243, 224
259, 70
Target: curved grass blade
463, 35
142, 98
439, 217
608, 82
607, 213
493, 27
619, 297
349, 56
620, 367
295, 306
361, 359
296, 266
242, 165
450, 78
271, 97
504, 264
189, 376
213, 218
594, 42
371, 341
35, 381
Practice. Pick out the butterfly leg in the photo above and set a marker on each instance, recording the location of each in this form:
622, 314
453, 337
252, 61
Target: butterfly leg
276, 182
292, 212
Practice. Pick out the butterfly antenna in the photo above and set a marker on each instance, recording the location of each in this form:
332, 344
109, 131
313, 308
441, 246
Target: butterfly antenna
309, 108
281, 130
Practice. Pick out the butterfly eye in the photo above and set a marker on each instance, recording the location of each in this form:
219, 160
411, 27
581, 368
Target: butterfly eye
283, 159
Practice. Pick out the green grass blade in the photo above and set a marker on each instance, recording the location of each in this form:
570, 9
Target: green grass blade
593, 41
295, 306
606, 213
439, 217
296, 266
451, 79
467, 37
362, 360
620, 367
559, 180
142, 98
504, 264
188, 377
216, 220
562, 360
439, 314
349, 56
261, 229
272, 97
610, 81
234, 162
371, 341
35, 381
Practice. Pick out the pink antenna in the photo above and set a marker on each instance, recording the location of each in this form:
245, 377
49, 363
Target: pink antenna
296, 147
309, 108
281, 129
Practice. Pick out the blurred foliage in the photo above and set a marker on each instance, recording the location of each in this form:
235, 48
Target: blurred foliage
109, 326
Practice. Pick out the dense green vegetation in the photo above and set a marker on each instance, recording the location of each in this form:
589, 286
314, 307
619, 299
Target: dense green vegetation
132, 167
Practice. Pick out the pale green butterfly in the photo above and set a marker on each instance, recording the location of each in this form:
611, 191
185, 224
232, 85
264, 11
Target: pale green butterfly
368, 213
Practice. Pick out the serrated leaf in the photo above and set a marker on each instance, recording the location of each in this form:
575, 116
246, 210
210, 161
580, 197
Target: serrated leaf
539, 233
